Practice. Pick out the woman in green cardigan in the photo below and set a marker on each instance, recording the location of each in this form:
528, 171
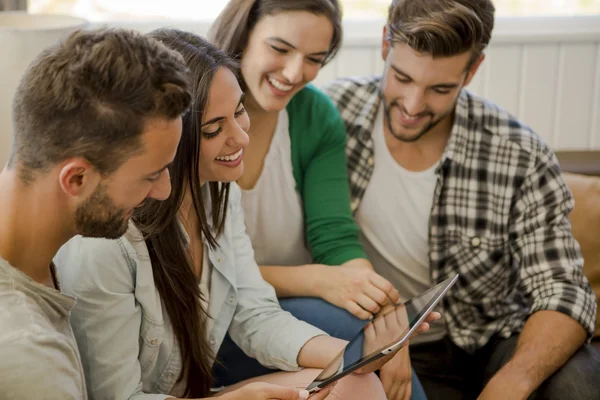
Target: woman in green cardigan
295, 190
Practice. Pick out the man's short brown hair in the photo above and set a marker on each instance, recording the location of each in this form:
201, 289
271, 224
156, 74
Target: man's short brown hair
442, 28
90, 96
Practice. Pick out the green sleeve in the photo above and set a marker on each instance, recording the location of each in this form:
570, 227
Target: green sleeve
318, 140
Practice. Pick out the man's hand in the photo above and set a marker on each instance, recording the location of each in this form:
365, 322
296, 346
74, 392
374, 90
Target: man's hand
396, 376
359, 290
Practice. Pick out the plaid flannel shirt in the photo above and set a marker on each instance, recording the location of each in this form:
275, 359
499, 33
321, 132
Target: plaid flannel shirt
499, 217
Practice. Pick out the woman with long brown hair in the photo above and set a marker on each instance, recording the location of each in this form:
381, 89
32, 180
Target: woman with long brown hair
155, 305
295, 190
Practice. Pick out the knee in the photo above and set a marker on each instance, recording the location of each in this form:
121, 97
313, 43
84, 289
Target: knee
576, 380
358, 387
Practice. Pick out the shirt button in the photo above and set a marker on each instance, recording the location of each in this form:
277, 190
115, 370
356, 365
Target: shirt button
153, 342
219, 259
475, 241
231, 299
212, 341
371, 161
170, 376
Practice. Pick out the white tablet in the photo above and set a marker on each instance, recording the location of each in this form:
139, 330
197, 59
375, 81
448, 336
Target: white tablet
382, 335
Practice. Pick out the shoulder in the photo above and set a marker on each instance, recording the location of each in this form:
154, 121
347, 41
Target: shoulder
508, 130
359, 87
25, 359
82, 263
310, 102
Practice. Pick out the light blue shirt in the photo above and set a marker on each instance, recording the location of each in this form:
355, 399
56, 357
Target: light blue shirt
126, 342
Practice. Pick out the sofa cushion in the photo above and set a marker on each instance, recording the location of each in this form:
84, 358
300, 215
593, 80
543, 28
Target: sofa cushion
585, 221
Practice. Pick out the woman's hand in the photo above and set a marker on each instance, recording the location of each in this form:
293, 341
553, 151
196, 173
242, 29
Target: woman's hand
383, 331
267, 391
355, 287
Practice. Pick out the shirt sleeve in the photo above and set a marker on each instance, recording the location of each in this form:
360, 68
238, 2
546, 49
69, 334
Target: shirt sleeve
33, 366
107, 318
550, 258
331, 230
260, 327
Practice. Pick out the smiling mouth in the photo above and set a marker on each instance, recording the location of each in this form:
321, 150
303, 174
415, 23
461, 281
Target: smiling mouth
231, 157
280, 86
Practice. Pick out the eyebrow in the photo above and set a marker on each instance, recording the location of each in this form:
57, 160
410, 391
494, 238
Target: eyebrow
280, 40
160, 170
448, 85
217, 119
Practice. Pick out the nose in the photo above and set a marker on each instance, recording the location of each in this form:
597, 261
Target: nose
161, 189
414, 102
294, 69
239, 138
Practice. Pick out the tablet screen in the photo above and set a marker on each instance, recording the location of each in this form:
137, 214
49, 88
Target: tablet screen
381, 333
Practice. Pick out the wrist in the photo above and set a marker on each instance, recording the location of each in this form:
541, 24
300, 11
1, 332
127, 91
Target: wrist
317, 274
516, 385
359, 263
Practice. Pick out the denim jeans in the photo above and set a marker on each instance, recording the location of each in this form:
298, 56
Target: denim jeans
448, 372
233, 365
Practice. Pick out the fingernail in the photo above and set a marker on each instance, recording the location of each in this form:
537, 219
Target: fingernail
303, 395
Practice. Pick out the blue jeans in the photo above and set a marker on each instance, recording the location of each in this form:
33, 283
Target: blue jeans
336, 321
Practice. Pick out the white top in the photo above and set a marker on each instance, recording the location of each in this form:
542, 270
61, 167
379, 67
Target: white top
394, 221
273, 209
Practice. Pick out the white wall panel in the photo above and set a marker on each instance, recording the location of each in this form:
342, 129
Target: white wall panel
595, 125
576, 96
538, 91
503, 76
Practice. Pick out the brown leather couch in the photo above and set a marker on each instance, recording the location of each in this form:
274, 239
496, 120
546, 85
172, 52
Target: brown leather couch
581, 171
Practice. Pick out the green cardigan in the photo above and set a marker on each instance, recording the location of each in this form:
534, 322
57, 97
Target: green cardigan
318, 141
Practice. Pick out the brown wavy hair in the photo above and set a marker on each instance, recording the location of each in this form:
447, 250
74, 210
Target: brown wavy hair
442, 28
90, 96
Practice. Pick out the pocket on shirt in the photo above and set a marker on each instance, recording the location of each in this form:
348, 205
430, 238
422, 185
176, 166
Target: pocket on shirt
152, 335
483, 262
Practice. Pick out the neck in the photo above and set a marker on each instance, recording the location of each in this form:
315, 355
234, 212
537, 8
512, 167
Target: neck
259, 118
188, 216
34, 224
426, 151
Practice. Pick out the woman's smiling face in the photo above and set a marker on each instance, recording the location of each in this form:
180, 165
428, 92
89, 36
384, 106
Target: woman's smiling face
285, 52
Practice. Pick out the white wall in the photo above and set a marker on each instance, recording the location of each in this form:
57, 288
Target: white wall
544, 70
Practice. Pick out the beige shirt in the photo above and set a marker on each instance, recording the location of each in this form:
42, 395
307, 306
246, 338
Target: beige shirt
38, 353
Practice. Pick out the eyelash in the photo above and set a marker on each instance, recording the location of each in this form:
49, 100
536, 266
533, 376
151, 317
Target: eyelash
210, 135
438, 91
284, 51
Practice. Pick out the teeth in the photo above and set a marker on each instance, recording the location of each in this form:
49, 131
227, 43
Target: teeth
279, 85
408, 117
231, 157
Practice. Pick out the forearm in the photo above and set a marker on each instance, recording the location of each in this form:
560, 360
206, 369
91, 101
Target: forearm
548, 340
319, 351
292, 281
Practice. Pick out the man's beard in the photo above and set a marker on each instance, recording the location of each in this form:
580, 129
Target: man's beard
388, 120
99, 217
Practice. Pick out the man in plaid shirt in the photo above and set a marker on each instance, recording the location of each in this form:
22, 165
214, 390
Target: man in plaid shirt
444, 182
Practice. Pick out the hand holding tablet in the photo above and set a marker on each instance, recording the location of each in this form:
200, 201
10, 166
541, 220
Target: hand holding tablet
383, 336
